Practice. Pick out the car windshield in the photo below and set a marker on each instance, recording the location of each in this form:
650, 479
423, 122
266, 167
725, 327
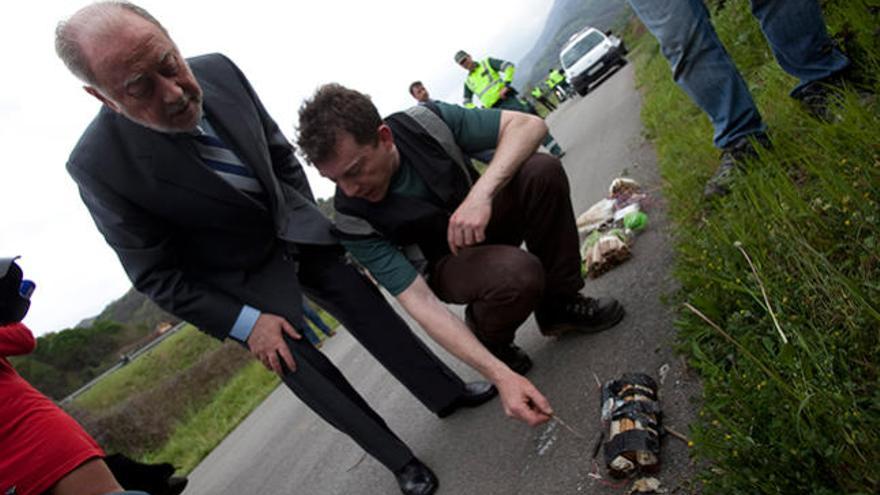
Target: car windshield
581, 48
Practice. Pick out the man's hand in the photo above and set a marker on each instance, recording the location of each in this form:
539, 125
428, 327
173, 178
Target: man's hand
503, 92
467, 225
522, 401
266, 342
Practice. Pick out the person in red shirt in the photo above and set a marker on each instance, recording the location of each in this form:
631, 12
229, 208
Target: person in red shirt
42, 449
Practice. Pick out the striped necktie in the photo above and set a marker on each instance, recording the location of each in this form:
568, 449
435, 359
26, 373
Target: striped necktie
222, 160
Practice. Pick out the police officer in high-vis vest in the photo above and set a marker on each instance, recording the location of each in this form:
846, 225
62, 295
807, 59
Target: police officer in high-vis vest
540, 93
491, 79
557, 83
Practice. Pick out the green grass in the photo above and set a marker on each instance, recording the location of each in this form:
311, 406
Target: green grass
169, 358
183, 403
802, 416
176, 354
204, 428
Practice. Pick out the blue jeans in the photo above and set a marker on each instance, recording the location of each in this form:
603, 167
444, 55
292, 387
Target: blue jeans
704, 70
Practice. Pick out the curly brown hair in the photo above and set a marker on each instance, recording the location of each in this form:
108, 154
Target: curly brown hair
332, 109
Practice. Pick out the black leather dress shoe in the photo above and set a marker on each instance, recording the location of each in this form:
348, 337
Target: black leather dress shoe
475, 394
416, 479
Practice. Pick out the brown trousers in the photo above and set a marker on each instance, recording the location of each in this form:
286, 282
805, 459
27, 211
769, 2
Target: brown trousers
501, 283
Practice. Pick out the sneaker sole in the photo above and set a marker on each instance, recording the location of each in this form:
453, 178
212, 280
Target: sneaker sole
563, 329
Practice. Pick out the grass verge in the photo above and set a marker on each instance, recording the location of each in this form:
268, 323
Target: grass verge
178, 401
799, 413
206, 426
176, 354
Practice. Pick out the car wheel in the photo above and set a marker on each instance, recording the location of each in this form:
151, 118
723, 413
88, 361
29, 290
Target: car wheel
583, 91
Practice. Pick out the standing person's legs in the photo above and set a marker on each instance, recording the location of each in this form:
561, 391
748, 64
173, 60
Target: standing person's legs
309, 333
796, 33
313, 316
325, 390
359, 306
701, 66
322, 387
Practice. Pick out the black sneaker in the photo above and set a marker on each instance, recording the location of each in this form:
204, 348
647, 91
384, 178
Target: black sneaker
578, 314
823, 99
732, 159
509, 354
513, 357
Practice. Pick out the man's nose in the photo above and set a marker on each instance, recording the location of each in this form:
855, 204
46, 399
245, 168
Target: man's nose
171, 90
349, 188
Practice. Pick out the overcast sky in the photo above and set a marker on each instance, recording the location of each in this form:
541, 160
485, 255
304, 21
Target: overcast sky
286, 49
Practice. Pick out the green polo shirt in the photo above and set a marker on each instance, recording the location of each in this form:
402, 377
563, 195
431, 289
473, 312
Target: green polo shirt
474, 130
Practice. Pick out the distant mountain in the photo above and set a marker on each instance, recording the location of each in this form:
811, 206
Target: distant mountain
65, 360
133, 309
566, 18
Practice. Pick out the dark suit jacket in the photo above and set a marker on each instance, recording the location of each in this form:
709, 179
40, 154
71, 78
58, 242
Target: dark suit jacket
187, 239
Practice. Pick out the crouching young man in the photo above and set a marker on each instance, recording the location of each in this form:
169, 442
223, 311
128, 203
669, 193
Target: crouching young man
413, 210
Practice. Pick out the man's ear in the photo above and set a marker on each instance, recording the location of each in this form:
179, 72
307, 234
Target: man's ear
103, 99
386, 137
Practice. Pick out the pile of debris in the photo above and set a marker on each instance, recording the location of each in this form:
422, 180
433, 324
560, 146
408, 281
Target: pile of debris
608, 227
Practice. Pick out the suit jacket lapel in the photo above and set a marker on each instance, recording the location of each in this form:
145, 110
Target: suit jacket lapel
161, 153
241, 133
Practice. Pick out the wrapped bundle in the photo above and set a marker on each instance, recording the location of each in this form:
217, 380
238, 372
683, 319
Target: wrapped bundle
631, 409
622, 185
603, 252
599, 214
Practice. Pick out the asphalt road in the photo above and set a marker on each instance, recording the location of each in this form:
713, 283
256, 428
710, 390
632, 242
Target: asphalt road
284, 448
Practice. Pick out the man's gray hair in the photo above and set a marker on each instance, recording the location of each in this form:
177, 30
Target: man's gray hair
67, 35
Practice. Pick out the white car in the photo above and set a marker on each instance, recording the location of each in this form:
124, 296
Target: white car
588, 55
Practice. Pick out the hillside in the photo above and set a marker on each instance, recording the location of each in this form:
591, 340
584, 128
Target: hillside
566, 18
66, 360
133, 308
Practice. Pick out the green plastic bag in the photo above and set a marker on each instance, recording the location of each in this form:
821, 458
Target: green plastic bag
636, 220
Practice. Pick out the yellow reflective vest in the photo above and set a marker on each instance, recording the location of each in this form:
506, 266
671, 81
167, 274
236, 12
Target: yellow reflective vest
554, 78
487, 80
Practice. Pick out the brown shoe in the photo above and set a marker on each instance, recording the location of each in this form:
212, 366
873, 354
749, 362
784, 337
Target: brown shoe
578, 314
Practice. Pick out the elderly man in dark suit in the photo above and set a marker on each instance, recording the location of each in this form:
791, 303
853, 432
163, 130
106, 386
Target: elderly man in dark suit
199, 193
